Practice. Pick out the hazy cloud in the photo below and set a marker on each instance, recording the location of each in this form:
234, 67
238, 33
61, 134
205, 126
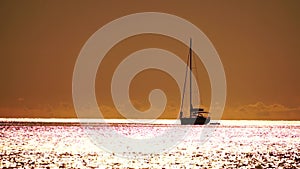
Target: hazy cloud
262, 111
262, 107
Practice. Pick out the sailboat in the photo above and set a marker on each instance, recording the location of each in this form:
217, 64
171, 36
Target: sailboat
197, 116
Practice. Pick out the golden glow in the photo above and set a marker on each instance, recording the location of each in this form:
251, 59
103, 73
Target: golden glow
257, 42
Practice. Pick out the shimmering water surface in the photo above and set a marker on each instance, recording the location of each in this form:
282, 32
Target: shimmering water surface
234, 144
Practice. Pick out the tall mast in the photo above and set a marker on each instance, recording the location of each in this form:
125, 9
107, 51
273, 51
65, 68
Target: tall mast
191, 70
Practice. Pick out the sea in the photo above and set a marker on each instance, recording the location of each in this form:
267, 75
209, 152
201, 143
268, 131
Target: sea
141, 143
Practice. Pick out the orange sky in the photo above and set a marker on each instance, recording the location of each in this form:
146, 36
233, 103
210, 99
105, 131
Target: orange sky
257, 41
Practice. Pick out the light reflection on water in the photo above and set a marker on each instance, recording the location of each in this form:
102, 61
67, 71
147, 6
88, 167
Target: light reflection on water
235, 144
154, 121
